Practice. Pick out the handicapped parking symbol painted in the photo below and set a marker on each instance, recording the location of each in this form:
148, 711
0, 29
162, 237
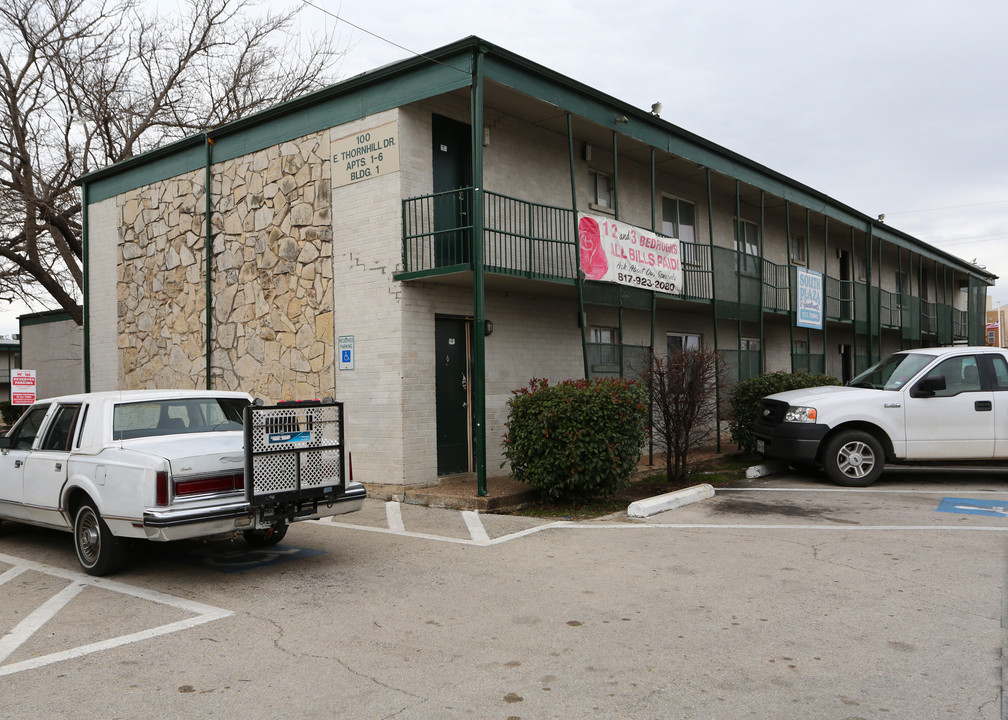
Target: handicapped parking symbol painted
971, 506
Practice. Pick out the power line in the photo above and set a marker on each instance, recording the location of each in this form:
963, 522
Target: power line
379, 37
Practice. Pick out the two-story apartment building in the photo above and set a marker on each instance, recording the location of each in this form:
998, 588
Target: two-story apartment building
422, 239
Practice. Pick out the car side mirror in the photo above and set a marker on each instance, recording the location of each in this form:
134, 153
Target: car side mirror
929, 386
5, 442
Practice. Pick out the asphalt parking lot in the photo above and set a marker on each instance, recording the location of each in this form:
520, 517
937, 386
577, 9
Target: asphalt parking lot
784, 597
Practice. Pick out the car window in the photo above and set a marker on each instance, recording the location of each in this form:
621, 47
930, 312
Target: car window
1000, 372
176, 417
892, 373
61, 430
24, 433
961, 375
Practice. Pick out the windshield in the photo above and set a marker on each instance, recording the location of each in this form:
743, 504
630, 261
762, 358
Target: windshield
177, 417
892, 373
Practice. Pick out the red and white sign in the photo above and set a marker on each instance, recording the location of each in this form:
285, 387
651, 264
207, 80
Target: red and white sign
616, 252
22, 387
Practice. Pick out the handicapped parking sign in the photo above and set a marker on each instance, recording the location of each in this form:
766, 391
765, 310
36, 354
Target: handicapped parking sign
345, 348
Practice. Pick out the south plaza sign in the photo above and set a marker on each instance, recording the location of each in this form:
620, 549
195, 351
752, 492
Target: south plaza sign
615, 252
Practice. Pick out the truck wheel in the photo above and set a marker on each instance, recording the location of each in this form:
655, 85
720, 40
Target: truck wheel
266, 538
98, 550
853, 458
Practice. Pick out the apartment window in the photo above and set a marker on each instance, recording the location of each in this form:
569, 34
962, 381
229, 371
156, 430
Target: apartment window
798, 250
674, 342
862, 266
800, 347
601, 190
679, 221
902, 282
604, 335
747, 246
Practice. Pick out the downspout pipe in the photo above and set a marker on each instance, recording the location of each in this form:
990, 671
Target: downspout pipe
86, 370
208, 242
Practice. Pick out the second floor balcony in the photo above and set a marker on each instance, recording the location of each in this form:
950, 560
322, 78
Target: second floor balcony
539, 242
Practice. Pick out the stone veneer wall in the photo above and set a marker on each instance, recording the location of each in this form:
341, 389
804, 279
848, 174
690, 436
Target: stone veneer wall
161, 301
272, 322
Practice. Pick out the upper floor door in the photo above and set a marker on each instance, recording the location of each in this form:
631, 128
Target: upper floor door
452, 166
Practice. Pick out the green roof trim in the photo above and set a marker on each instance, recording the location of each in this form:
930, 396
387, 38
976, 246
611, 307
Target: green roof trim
353, 99
450, 68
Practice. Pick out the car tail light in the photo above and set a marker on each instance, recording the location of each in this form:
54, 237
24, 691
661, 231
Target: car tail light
218, 483
161, 485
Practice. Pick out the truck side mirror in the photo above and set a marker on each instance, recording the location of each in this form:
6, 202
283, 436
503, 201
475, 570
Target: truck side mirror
929, 386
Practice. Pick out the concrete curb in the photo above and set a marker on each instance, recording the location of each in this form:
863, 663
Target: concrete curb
770, 468
669, 501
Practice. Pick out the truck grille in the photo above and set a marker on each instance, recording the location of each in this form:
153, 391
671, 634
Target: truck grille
771, 413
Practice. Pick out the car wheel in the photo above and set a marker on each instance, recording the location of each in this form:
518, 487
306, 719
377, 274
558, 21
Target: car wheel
265, 538
853, 458
98, 550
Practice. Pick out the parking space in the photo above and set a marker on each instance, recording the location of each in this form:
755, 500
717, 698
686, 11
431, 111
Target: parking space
783, 597
51, 615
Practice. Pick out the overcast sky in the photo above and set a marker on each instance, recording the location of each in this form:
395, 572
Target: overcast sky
893, 106
889, 106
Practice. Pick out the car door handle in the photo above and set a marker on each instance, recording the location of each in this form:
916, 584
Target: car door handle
59, 466
17, 463
983, 406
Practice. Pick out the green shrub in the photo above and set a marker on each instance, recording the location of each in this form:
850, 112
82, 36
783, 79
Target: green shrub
10, 413
747, 394
577, 440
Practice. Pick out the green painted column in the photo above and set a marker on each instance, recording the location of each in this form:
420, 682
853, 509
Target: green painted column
479, 307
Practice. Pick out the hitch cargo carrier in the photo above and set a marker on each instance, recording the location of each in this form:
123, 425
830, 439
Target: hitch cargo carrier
294, 457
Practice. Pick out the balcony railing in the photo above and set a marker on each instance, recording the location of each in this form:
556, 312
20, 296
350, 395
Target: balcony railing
537, 241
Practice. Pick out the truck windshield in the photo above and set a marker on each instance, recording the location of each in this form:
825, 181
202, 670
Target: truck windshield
176, 417
893, 373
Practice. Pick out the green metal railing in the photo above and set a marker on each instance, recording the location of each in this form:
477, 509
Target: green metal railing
537, 241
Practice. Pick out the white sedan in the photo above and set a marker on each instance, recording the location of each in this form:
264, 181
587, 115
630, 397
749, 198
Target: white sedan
157, 465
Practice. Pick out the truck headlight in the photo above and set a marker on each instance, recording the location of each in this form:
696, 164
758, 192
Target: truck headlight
800, 415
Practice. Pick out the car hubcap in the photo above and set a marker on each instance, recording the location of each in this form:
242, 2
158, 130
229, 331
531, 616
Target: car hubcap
856, 459
88, 537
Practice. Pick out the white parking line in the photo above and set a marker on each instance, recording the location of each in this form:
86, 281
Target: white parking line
79, 581
37, 618
393, 516
476, 530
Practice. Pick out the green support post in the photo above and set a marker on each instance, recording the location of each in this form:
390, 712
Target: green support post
577, 249
479, 308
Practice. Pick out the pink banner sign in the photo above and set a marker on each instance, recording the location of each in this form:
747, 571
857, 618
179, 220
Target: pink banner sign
615, 252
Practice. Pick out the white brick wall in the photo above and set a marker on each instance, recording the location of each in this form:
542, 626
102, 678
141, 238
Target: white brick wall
102, 328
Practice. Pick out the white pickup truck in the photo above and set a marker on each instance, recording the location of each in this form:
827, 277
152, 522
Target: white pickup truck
172, 464
926, 405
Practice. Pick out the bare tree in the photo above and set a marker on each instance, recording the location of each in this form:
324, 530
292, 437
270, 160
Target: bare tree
682, 389
87, 83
